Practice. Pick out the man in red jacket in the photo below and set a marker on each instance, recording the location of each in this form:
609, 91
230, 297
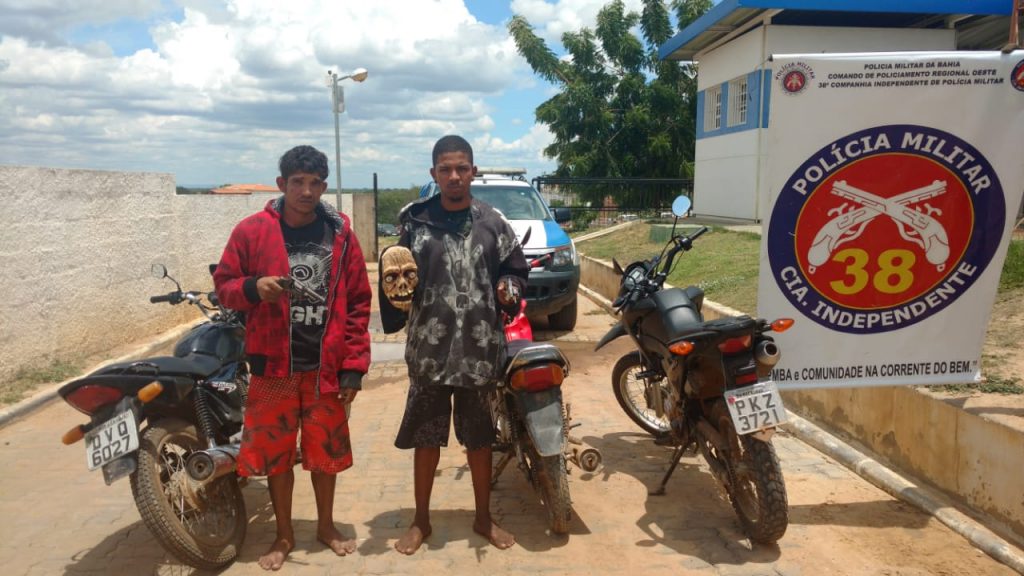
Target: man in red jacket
297, 271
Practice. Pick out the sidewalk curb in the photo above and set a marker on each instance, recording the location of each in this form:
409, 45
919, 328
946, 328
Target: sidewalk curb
930, 501
42, 397
927, 499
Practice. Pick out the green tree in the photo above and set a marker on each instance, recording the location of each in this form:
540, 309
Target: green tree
390, 202
621, 112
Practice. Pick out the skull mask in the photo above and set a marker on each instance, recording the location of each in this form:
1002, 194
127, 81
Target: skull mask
399, 276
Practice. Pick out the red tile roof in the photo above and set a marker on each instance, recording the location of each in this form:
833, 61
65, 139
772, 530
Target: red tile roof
244, 189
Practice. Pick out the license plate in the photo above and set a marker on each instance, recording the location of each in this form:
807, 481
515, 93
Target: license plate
111, 440
755, 407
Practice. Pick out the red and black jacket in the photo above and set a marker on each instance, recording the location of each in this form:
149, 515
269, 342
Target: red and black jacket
256, 249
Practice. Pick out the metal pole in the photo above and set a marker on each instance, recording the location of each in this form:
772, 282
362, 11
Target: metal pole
337, 142
376, 236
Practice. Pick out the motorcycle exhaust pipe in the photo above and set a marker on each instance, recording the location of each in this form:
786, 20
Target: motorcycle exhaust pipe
767, 353
208, 465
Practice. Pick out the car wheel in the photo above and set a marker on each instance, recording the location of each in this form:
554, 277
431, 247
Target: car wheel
564, 319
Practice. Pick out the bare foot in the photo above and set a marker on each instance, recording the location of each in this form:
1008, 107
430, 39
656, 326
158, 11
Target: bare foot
274, 558
410, 542
333, 539
496, 535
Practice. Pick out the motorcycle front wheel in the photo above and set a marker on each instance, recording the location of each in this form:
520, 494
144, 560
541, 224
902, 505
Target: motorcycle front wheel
552, 483
633, 395
205, 532
757, 489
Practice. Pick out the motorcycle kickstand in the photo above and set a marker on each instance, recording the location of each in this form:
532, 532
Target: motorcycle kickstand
500, 467
676, 457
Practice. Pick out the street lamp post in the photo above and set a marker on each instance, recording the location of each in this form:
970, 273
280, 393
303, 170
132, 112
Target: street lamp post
338, 105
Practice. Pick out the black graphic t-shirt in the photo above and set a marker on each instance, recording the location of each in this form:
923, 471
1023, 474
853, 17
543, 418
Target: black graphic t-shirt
309, 256
457, 221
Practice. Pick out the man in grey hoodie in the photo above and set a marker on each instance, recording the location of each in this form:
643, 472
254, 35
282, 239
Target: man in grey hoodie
470, 266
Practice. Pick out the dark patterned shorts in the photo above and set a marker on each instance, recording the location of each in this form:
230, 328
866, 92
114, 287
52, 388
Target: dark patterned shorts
428, 413
276, 410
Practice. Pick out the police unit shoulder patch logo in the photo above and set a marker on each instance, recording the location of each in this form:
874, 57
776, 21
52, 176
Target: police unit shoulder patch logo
1017, 76
794, 77
885, 227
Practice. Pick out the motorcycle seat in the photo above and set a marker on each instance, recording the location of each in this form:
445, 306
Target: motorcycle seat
525, 352
196, 365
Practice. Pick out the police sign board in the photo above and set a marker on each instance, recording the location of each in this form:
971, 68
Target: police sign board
894, 180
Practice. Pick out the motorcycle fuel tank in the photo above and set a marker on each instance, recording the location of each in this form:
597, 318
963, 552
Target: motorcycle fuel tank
676, 316
224, 342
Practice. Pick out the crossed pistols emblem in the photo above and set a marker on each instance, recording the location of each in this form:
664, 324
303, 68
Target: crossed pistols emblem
914, 225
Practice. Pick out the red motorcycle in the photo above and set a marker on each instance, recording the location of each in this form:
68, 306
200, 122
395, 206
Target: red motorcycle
532, 422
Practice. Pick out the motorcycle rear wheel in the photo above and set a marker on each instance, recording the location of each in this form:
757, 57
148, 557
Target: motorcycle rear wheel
757, 489
631, 394
552, 483
207, 537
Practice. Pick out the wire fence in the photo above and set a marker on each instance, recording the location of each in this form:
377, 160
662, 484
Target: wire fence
606, 201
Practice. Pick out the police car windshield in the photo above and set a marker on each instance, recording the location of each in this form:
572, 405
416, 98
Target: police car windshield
515, 202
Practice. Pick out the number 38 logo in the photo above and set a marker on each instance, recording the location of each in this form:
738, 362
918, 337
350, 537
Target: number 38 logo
885, 227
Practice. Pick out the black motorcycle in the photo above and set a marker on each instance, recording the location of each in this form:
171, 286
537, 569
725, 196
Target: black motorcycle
173, 424
703, 385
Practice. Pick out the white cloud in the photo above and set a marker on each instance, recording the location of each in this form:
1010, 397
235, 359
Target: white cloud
46, 20
551, 19
224, 88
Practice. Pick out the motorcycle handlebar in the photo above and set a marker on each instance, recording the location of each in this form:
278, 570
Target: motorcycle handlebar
698, 233
653, 278
173, 298
681, 243
536, 262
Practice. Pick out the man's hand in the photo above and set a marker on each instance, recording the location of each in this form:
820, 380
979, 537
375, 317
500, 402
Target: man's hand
508, 292
270, 288
347, 395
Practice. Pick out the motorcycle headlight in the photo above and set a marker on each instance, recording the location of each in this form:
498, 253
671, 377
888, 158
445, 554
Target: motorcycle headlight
563, 257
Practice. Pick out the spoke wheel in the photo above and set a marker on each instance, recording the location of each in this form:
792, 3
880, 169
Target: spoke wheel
756, 489
633, 396
551, 481
204, 528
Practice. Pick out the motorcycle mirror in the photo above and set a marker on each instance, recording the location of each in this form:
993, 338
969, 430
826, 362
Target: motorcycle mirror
681, 205
158, 271
526, 237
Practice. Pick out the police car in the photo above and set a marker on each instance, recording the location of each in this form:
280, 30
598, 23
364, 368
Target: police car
551, 290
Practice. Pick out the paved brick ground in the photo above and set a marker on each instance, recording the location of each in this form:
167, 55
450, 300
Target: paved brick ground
59, 519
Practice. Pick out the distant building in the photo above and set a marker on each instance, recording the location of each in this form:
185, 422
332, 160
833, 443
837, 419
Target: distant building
733, 43
245, 189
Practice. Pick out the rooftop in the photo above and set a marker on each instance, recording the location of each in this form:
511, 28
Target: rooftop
244, 189
980, 24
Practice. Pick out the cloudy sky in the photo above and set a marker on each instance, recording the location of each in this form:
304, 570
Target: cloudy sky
213, 91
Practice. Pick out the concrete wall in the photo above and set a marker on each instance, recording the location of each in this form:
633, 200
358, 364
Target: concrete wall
726, 176
977, 461
364, 222
77, 246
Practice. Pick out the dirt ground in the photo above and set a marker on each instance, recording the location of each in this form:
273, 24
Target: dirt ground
1002, 360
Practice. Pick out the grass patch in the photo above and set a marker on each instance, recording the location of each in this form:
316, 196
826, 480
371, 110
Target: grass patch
991, 385
724, 263
26, 380
1013, 269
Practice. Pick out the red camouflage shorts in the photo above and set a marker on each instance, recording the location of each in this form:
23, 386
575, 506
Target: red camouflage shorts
275, 412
